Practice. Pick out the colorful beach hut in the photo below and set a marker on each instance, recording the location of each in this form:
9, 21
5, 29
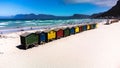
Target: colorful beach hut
93, 26
96, 25
51, 35
59, 33
84, 27
77, 29
72, 30
80, 27
28, 39
88, 26
66, 32
42, 37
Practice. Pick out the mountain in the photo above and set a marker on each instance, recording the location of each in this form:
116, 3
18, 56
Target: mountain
33, 16
114, 12
96, 15
46, 16
78, 16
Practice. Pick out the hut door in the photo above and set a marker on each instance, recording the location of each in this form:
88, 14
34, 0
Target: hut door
42, 37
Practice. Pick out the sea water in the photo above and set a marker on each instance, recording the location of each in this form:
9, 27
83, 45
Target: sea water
7, 26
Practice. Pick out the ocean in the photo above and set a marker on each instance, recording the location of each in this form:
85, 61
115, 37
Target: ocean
7, 26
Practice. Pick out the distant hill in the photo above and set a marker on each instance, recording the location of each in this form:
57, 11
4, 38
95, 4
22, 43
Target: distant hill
78, 16
33, 16
114, 12
96, 15
46, 16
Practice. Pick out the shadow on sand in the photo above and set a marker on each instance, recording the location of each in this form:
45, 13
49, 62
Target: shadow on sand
21, 47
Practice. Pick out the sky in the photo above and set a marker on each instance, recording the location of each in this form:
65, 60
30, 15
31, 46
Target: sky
54, 7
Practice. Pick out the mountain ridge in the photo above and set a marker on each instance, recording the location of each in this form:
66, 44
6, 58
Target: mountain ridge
45, 16
114, 12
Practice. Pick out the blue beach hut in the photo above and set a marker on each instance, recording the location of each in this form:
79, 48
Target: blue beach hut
72, 30
84, 28
42, 37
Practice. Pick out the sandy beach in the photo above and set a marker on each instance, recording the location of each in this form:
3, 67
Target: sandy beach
97, 48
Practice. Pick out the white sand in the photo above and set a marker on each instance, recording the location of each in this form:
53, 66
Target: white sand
98, 48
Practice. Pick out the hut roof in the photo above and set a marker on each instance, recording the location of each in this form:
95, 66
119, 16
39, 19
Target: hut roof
37, 32
46, 31
25, 34
80, 25
71, 27
76, 26
58, 29
66, 28
42, 31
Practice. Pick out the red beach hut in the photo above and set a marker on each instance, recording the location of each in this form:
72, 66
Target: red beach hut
59, 33
80, 27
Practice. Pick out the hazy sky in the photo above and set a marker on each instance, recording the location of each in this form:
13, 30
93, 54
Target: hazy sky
56, 7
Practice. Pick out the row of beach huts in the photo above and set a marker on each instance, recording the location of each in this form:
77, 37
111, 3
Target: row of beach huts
40, 37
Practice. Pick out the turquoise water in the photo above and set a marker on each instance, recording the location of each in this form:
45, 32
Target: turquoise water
9, 25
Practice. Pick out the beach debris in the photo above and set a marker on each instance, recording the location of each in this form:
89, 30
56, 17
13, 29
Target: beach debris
22, 30
3, 36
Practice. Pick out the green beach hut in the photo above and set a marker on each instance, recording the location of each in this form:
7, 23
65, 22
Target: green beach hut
66, 32
28, 39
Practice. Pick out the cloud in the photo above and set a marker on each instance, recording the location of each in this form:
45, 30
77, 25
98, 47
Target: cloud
96, 2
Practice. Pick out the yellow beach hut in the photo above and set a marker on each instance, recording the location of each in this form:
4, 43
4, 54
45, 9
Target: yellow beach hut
51, 35
96, 25
77, 30
88, 27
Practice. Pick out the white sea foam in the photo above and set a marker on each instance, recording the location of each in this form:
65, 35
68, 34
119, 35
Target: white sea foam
4, 23
2, 26
28, 21
18, 22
